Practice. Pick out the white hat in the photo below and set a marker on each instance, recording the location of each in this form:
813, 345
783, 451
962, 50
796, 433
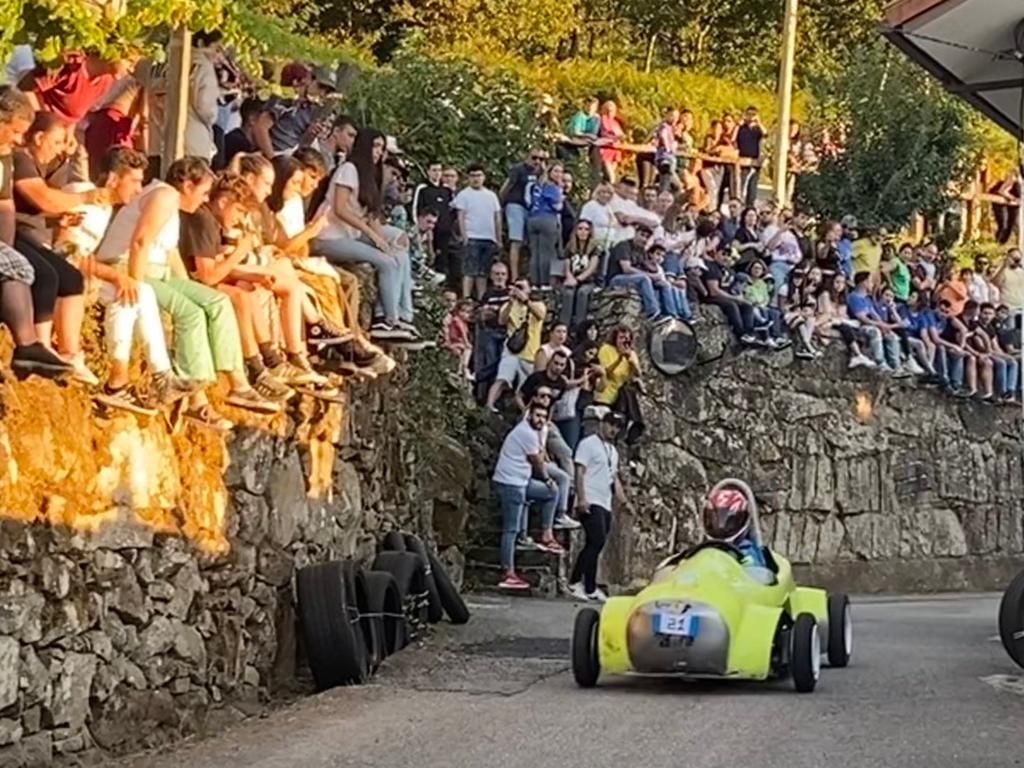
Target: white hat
596, 412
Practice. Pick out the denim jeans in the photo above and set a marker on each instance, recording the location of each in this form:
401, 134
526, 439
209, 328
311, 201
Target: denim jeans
1006, 372
564, 481
780, 272
643, 285
513, 500
394, 271
884, 349
949, 365
739, 316
674, 301
570, 429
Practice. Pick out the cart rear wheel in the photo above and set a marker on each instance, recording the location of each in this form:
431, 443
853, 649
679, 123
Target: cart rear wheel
840, 630
806, 655
1011, 619
586, 667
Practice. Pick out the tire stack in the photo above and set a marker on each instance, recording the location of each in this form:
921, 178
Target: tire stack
352, 618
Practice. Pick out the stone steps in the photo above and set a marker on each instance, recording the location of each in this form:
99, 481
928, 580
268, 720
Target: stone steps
546, 573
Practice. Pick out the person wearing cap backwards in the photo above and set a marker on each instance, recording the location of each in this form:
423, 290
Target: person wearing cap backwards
297, 118
597, 468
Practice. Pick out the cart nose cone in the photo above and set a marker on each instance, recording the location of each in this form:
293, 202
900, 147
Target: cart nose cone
678, 636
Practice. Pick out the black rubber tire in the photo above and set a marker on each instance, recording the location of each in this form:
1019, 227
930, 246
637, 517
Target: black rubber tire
1011, 619
586, 666
408, 571
435, 611
330, 626
393, 541
802, 663
838, 619
385, 599
368, 630
451, 600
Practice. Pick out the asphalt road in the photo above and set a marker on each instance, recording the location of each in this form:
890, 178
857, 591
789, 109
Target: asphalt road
929, 685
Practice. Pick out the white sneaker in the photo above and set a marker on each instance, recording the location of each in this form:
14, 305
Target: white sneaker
564, 521
860, 361
902, 372
82, 372
884, 368
576, 590
598, 596
914, 367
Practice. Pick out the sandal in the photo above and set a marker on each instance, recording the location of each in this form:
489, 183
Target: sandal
206, 416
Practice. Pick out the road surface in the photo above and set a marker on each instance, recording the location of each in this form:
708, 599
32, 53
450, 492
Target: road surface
929, 686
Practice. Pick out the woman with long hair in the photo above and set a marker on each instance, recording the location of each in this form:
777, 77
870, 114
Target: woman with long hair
336, 291
543, 226
356, 234
58, 291
582, 261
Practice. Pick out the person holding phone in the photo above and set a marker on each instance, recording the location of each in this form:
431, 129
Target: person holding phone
524, 323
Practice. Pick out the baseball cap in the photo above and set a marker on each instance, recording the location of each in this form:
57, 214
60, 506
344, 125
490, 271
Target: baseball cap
325, 77
596, 412
849, 221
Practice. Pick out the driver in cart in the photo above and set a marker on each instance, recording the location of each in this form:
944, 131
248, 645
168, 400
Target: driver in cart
727, 519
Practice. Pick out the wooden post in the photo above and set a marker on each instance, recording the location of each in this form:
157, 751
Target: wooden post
785, 100
179, 65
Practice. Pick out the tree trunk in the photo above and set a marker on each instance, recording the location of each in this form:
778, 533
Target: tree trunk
649, 60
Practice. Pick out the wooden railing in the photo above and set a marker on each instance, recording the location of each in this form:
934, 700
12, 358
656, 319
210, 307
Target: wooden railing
644, 158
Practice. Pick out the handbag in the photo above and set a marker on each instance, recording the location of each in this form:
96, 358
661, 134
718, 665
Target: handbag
517, 341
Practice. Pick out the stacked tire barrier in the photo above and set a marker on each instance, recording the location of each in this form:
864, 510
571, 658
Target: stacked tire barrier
353, 618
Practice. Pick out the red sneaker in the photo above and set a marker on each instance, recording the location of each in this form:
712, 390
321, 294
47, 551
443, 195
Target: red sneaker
512, 581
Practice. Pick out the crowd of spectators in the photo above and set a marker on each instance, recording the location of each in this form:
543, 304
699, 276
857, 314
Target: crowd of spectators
245, 245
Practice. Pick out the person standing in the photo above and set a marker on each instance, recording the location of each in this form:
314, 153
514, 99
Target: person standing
748, 141
520, 478
479, 220
513, 197
597, 468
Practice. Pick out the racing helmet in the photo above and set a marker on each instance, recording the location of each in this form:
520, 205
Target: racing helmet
726, 515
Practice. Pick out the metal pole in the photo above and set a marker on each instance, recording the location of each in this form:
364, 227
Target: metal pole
179, 65
785, 100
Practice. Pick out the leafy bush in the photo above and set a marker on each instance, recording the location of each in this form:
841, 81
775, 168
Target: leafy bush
642, 96
907, 141
448, 109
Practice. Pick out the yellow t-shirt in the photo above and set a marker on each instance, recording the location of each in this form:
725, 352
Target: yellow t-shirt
517, 314
617, 371
867, 256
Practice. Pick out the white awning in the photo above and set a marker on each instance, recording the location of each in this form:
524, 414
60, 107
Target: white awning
969, 46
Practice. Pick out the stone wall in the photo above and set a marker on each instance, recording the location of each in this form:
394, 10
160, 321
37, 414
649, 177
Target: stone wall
869, 482
146, 568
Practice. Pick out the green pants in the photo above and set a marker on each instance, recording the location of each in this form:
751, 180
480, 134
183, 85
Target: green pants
206, 336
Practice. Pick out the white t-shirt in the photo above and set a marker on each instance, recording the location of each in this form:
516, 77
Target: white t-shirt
513, 467
634, 211
601, 462
601, 221
292, 217
87, 235
481, 206
346, 176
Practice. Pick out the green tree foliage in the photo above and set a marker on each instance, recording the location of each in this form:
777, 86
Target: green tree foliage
449, 109
907, 141
114, 27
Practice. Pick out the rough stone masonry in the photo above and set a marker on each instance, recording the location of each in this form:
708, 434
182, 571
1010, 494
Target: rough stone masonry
146, 568
150, 597
866, 482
